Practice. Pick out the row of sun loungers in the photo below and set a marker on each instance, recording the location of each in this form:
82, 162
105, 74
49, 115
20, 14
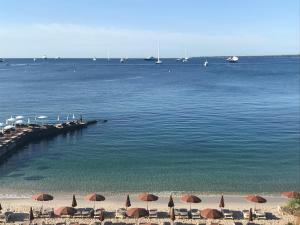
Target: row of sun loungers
120, 213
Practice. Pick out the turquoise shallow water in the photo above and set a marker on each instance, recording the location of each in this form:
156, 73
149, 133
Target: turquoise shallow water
231, 128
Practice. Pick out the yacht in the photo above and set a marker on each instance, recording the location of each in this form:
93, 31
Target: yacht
205, 63
34, 59
122, 60
94, 59
233, 59
150, 58
44, 57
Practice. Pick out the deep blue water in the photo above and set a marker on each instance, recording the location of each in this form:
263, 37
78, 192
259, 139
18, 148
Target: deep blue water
171, 127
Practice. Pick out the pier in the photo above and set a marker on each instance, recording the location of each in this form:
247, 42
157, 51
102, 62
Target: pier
20, 136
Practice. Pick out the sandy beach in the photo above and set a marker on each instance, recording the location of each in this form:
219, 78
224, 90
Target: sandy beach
113, 202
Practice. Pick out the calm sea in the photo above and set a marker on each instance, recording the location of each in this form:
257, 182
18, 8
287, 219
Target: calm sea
231, 128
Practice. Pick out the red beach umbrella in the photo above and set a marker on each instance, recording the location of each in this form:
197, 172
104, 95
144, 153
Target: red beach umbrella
256, 199
147, 197
222, 203
190, 199
42, 197
93, 197
291, 194
211, 214
64, 211
127, 203
137, 212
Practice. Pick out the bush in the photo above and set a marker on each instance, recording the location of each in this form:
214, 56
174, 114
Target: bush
292, 206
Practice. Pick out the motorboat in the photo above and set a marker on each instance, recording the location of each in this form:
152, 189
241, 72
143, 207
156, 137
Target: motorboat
233, 59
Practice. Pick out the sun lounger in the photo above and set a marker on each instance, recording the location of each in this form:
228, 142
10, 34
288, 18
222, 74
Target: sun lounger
176, 211
98, 212
246, 214
87, 212
227, 214
77, 214
183, 213
260, 215
195, 214
153, 213
120, 213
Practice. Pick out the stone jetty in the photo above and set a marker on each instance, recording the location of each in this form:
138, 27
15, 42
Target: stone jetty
16, 138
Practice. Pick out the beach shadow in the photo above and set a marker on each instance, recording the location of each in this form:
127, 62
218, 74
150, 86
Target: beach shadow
34, 178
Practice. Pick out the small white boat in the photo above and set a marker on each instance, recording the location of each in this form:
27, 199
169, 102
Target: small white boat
45, 57
34, 59
158, 60
122, 60
233, 59
205, 63
149, 58
185, 59
94, 59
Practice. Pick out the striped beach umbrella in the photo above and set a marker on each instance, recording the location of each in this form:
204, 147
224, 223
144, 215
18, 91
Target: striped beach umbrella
190, 199
147, 197
211, 213
291, 194
137, 213
65, 211
93, 197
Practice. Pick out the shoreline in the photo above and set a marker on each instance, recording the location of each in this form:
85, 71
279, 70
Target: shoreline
115, 201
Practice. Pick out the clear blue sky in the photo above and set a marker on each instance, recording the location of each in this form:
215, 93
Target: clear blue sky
85, 28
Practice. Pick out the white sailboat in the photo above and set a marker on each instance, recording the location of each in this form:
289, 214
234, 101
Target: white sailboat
158, 60
205, 63
185, 59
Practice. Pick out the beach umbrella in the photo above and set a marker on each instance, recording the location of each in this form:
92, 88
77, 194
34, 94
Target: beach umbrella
211, 213
137, 213
190, 199
222, 203
171, 202
255, 199
127, 203
64, 211
250, 215
31, 217
101, 216
19, 117
74, 202
93, 197
291, 194
172, 214
147, 197
42, 197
